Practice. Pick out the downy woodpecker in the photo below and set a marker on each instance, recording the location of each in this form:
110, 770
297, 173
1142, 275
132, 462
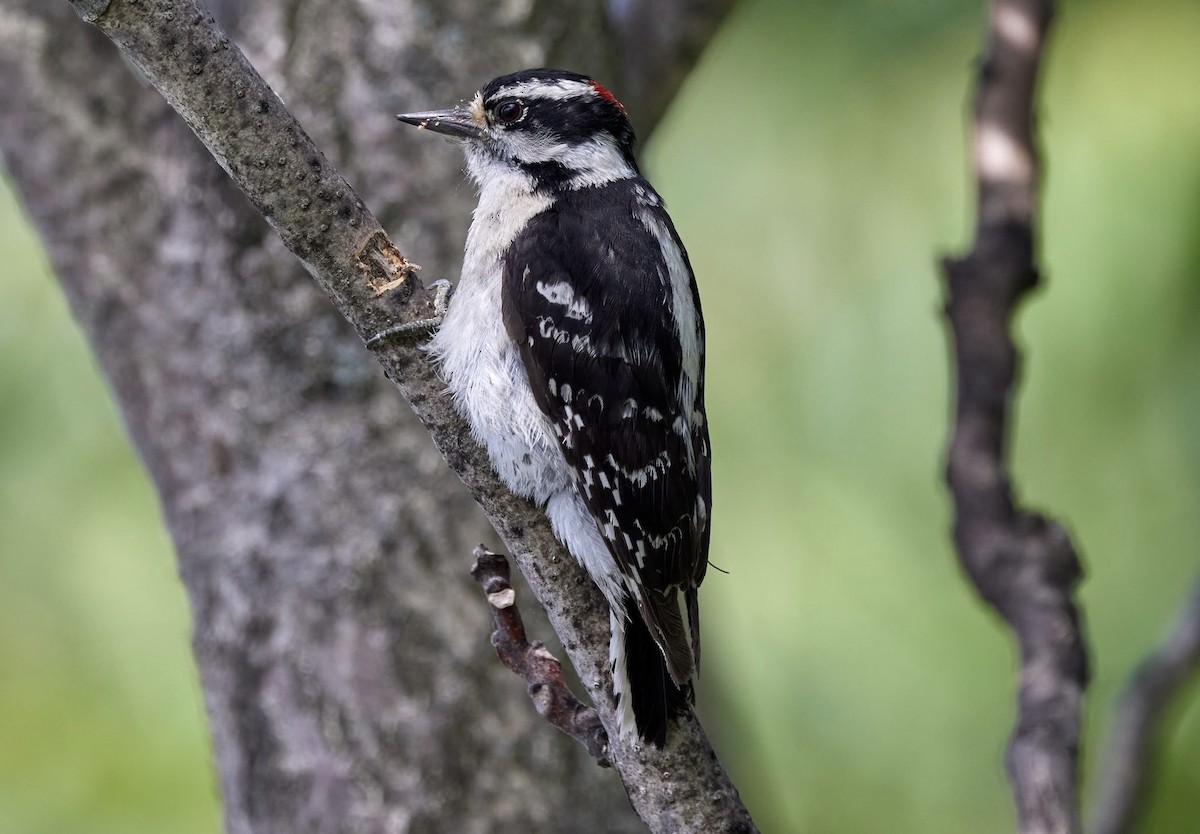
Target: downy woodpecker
574, 346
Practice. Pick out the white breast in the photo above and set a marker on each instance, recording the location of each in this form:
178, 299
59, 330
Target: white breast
477, 358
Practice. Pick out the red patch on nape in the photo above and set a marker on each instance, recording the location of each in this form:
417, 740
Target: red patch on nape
606, 95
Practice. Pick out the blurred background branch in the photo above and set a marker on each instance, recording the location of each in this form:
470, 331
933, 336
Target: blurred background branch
656, 43
1021, 563
1131, 758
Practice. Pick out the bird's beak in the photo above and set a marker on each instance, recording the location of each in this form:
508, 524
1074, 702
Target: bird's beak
459, 122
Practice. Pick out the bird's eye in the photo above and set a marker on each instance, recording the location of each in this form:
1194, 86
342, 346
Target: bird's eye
510, 112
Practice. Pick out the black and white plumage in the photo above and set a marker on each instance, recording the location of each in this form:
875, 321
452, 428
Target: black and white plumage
574, 346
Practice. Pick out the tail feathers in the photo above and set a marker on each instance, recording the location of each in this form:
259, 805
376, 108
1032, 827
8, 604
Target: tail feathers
665, 623
648, 697
692, 600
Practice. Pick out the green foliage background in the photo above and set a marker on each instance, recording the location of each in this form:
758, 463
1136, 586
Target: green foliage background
814, 165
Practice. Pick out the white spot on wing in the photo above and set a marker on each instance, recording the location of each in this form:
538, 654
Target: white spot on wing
562, 294
547, 330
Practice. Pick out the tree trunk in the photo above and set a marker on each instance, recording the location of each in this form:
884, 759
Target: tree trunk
323, 543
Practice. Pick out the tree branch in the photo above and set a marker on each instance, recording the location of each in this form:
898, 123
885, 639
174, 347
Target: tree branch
1021, 563
540, 670
1133, 739
319, 218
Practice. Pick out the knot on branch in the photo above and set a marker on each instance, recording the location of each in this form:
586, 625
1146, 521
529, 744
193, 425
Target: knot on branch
384, 268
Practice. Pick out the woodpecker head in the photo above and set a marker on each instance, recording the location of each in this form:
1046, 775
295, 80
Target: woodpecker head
560, 129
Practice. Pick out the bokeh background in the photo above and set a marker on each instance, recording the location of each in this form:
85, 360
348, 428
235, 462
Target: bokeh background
814, 164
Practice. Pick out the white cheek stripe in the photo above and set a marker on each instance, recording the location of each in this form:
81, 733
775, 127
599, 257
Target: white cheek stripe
597, 161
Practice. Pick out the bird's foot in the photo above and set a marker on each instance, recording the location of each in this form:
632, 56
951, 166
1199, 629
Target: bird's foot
442, 290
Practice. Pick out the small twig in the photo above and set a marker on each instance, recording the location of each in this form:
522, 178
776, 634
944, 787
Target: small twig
1022, 564
1129, 763
540, 670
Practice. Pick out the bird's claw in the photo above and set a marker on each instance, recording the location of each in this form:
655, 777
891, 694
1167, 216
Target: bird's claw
442, 290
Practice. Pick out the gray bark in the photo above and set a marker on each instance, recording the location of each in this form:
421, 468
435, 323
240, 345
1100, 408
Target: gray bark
324, 546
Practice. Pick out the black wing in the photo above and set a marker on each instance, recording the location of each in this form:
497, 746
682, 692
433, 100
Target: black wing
587, 297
